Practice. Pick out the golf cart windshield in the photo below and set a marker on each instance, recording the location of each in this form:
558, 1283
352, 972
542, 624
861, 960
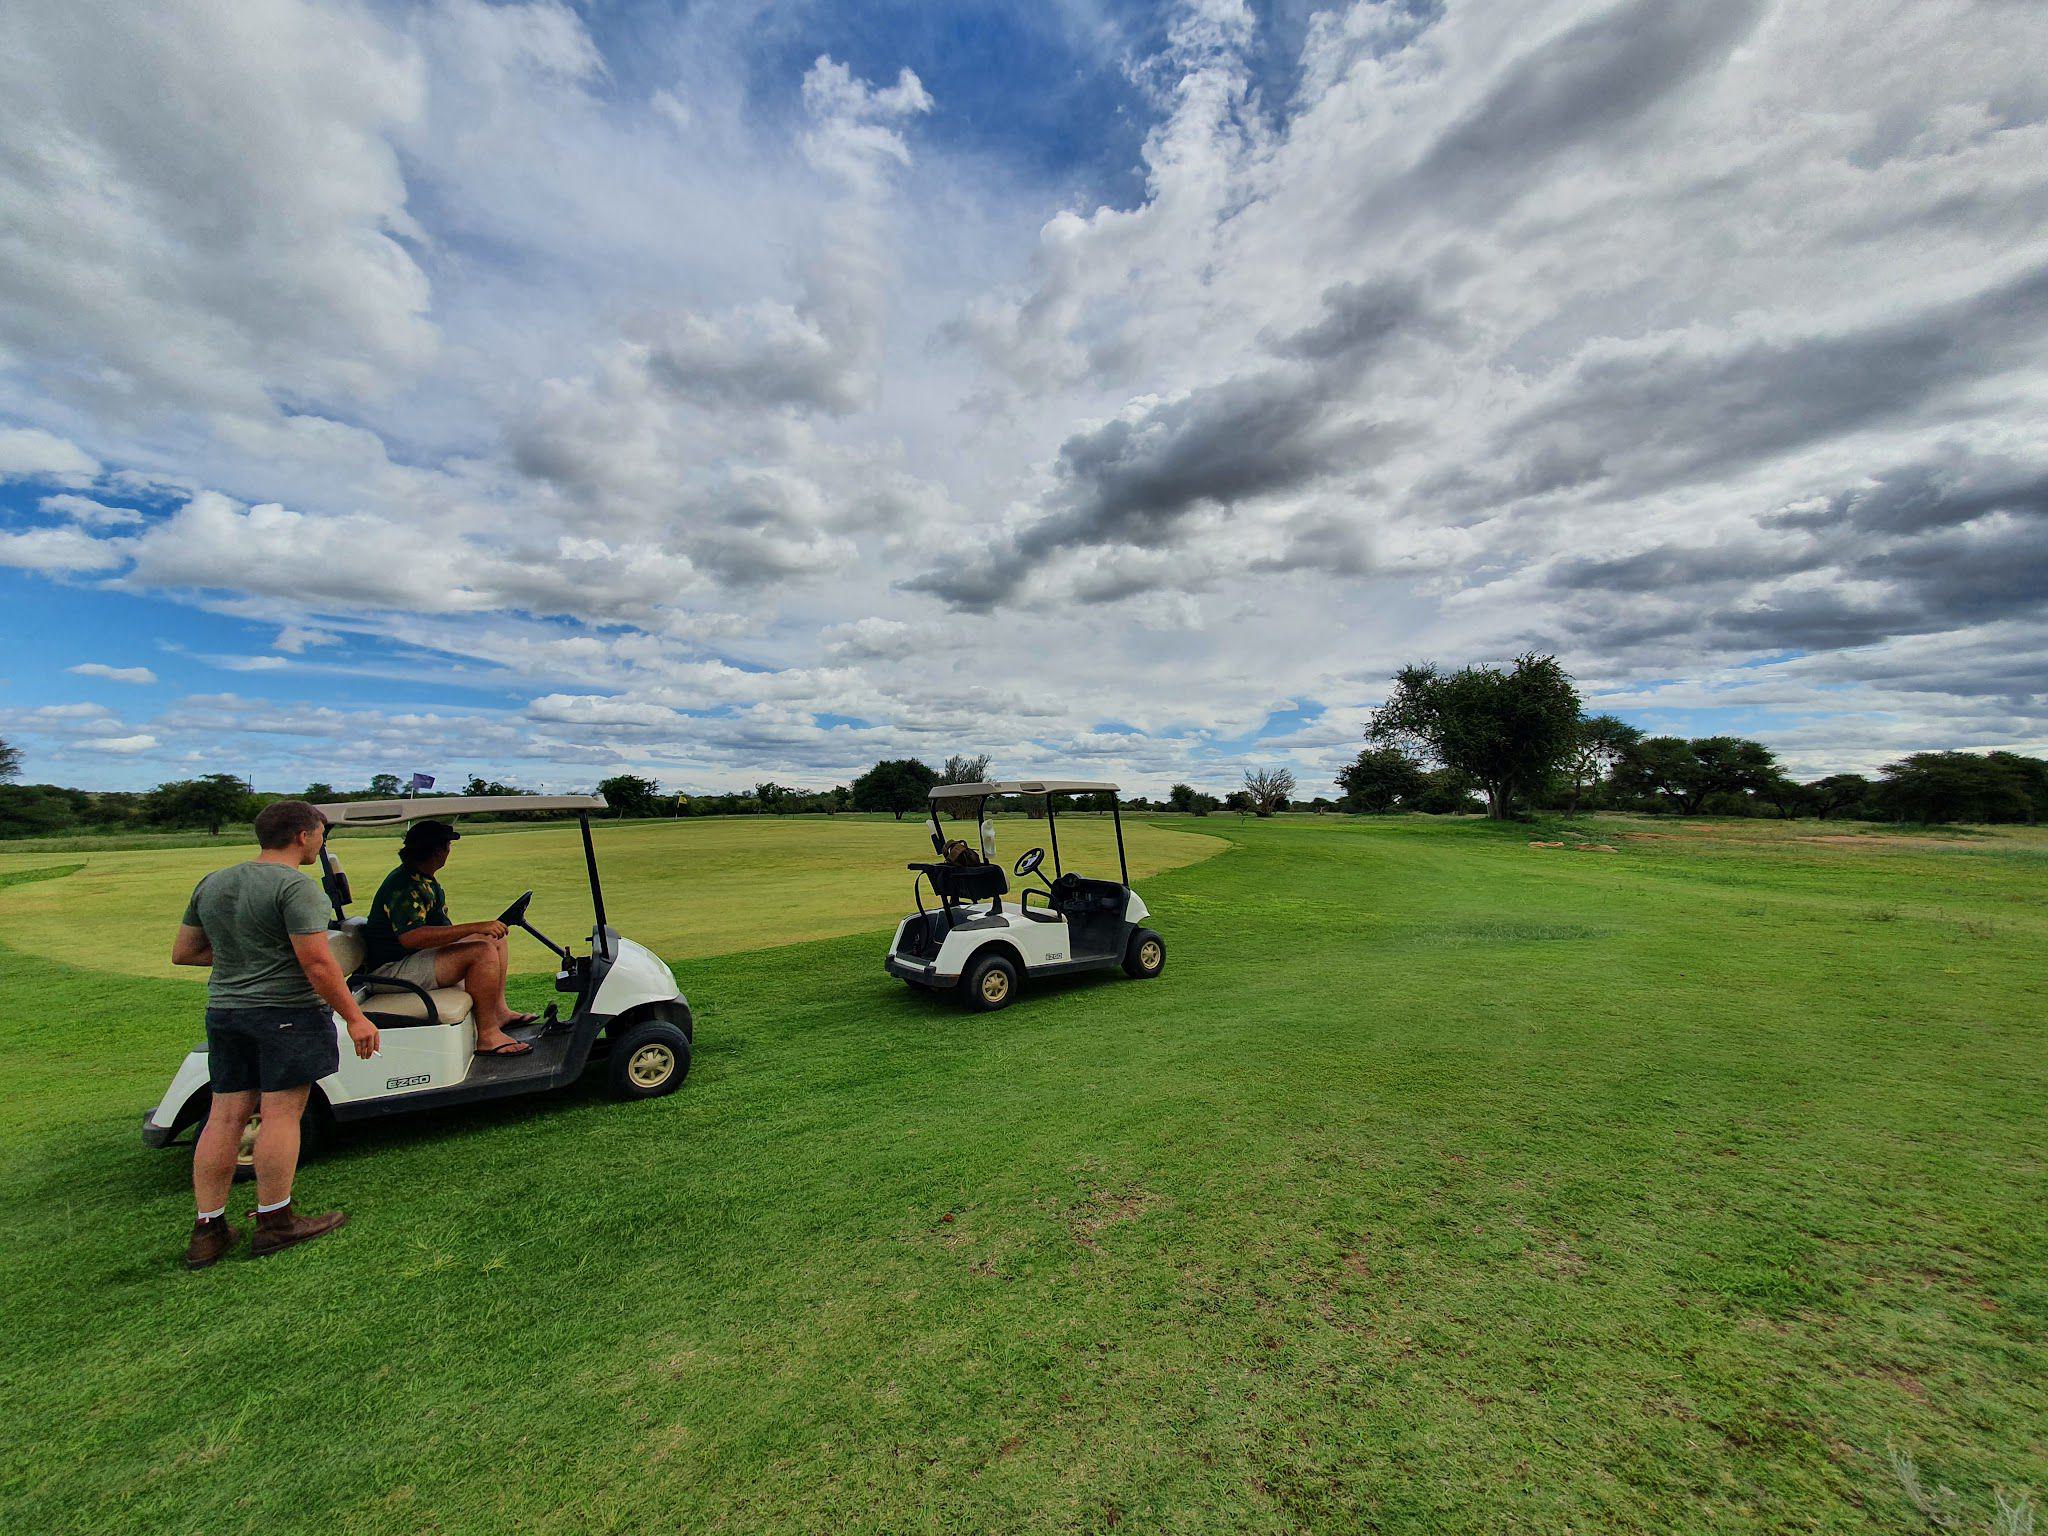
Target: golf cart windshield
398, 813
977, 795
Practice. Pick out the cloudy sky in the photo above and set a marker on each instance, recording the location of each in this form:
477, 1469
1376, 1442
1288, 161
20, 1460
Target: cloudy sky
727, 391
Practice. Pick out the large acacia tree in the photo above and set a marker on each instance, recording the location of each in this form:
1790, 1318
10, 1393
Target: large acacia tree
1270, 789
1381, 779
895, 785
1511, 730
1598, 746
962, 769
211, 801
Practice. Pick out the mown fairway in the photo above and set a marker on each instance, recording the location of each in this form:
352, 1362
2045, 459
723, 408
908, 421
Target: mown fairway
1442, 1184
683, 888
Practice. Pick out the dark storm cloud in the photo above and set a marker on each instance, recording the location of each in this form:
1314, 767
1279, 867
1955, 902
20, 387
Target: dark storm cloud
1921, 496
1130, 481
978, 584
1321, 542
1585, 85
1358, 321
1648, 419
2003, 664
1676, 567
1921, 549
1135, 481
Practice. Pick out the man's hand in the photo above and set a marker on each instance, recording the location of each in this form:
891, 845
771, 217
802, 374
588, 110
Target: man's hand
490, 930
365, 1036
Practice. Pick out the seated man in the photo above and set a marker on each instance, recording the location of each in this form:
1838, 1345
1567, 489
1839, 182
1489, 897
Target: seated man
408, 936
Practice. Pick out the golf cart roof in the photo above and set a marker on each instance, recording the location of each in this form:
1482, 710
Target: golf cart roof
391, 813
1020, 787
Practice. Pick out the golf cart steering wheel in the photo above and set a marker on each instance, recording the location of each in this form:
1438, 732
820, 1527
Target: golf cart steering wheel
1028, 862
515, 915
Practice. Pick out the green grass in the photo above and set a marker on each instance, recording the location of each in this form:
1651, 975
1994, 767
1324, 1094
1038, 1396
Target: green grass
1442, 1184
684, 888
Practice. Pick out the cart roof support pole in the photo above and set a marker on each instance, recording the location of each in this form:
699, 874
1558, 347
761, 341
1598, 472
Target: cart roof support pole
327, 882
596, 890
1052, 827
1123, 864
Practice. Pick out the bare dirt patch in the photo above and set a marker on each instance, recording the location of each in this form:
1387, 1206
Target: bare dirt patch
1105, 1209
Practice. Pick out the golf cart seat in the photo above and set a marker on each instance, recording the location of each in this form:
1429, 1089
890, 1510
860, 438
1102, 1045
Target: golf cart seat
965, 882
391, 1000
451, 1006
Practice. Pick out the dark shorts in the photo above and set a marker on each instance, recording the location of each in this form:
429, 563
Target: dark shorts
269, 1049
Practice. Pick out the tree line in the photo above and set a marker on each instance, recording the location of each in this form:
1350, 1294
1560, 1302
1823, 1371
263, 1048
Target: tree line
1498, 740
1516, 738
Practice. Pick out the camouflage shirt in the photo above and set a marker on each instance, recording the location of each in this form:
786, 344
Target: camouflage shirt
406, 900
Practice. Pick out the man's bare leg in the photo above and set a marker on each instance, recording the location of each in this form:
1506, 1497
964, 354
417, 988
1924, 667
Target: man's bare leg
220, 1144
277, 1144
478, 966
278, 1223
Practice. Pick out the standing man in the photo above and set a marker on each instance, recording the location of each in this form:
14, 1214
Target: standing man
409, 937
262, 927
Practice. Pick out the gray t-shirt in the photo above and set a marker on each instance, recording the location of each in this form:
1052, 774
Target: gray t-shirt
249, 912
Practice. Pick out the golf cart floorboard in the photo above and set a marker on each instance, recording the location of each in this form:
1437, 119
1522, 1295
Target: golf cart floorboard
489, 1077
548, 1054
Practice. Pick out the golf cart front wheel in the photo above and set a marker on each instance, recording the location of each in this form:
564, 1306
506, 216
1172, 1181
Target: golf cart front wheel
1146, 955
649, 1060
990, 983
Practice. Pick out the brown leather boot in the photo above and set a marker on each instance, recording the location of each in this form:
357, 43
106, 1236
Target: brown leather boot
211, 1240
282, 1229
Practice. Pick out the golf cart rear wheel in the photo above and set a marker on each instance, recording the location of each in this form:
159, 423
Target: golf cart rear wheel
649, 1060
1146, 955
990, 983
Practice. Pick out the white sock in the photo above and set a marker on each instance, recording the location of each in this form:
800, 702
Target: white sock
265, 1210
209, 1215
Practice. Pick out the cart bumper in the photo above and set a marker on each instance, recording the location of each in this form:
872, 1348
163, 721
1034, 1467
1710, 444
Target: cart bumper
924, 972
154, 1135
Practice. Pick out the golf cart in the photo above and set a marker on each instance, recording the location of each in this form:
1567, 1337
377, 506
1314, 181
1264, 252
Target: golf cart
970, 943
625, 1006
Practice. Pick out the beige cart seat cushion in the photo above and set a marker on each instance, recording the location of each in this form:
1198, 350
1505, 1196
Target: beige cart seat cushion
347, 945
451, 1004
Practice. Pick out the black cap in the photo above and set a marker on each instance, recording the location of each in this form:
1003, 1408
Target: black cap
424, 837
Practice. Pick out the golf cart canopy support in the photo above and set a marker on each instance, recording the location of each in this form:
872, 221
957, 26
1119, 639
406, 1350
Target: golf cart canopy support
394, 813
391, 813
1046, 787
1020, 787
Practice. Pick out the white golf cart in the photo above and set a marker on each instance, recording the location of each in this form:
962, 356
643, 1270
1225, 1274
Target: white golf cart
973, 944
428, 1058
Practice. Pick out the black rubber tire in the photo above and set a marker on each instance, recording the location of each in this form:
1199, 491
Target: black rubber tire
1145, 955
990, 984
649, 1060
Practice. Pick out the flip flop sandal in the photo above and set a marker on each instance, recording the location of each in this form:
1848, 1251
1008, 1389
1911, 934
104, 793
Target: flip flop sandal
508, 1048
521, 1018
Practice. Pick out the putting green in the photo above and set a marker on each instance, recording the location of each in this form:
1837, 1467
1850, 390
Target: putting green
685, 889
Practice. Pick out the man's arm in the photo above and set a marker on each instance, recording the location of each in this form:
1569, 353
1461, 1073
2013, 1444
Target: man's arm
318, 962
454, 933
191, 947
